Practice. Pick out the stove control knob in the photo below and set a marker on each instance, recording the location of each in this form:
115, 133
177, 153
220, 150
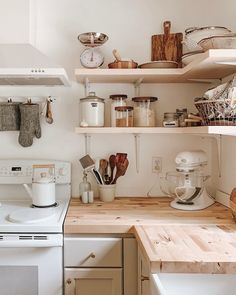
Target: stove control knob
62, 171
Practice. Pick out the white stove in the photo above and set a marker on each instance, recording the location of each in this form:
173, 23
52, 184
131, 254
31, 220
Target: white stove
18, 216
31, 239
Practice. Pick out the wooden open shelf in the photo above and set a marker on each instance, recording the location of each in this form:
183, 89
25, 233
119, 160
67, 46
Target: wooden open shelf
220, 130
204, 68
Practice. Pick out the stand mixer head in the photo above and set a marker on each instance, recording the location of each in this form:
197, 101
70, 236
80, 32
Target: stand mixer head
186, 184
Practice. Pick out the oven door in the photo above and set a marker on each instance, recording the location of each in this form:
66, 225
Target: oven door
31, 264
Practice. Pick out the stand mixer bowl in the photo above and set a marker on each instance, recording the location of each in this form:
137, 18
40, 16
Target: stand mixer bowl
186, 186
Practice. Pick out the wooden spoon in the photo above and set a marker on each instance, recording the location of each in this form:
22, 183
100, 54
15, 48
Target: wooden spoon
121, 168
116, 55
103, 167
49, 118
112, 163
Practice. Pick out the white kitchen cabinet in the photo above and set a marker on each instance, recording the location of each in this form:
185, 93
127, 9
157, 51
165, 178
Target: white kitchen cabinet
92, 281
130, 254
143, 275
97, 265
92, 252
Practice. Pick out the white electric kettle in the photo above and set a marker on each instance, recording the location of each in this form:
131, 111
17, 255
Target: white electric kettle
43, 186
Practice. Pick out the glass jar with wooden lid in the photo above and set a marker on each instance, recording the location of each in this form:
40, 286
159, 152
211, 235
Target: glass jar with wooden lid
124, 116
118, 100
144, 112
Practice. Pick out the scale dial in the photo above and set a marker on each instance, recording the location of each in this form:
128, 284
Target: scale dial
91, 58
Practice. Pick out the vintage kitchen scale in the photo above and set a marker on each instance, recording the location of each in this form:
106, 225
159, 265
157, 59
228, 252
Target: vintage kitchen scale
187, 183
91, 57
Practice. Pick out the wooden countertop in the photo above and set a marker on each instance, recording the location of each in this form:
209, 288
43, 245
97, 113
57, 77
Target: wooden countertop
122, 214
171, 240
189, 248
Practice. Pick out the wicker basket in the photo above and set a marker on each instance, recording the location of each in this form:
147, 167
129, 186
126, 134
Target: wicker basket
217, 112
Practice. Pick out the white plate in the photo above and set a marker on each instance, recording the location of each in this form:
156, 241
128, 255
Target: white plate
159, 64
191, 56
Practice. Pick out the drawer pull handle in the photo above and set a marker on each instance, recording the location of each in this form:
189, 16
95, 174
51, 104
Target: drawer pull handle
68, 281
92, 255
144, 278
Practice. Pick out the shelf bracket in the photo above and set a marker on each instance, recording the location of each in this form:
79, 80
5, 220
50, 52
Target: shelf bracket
86, 86
218, 139
87, 140
137, 85
137, 151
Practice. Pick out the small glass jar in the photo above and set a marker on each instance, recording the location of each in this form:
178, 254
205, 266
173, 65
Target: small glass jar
124, 116
171, 120
182, 115
144, 113
118, 100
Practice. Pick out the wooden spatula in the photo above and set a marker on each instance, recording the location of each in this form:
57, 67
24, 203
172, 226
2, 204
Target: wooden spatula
121, 168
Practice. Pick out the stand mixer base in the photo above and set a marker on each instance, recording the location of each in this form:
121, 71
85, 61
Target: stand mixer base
200, 203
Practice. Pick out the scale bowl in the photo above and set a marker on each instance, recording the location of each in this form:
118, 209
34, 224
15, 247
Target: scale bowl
92, 39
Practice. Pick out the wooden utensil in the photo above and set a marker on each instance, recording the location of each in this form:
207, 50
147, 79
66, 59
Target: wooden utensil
103, 167
167, 46
49, 118
112, 163
121, 168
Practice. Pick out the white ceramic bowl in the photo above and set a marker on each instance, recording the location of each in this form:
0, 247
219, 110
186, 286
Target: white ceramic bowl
191, 56
194, 35
218, 42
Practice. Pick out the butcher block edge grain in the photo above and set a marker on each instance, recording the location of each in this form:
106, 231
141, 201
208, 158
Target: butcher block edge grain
119, 216
189, 248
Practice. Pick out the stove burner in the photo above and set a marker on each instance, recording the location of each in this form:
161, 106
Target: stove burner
49, 206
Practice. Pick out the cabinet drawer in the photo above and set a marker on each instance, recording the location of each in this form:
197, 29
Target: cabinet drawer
93, 252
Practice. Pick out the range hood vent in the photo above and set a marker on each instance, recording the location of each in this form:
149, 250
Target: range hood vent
24, 65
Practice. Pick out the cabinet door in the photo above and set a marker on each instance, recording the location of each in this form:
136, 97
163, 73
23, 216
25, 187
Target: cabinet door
89, 281
130, 266
143, 276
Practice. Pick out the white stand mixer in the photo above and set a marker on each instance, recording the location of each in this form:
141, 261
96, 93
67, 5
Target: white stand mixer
186, 184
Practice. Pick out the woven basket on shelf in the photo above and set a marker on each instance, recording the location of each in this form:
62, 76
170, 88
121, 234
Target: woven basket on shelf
217, 112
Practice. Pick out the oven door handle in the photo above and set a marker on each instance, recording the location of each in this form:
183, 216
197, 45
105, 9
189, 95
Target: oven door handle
15, 241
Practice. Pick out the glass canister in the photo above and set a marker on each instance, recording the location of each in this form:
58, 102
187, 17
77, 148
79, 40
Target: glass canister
124, 116
92, 111
171, 120
182, 114
144, 113
118, 100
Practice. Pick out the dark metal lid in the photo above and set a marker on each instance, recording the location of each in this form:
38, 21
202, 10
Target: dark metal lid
145, 98
117, 96
124, 108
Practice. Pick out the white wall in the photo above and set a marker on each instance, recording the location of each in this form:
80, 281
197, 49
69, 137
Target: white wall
53, 27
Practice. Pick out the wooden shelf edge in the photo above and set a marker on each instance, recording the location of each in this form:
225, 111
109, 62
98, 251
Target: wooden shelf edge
214, 130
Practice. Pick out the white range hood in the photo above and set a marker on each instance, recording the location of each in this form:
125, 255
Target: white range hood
24, 65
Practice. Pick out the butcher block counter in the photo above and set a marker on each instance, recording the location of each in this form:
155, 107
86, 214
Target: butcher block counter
171, 240
121, 215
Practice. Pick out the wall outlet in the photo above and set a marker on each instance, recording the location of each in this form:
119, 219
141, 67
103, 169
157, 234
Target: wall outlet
156, 164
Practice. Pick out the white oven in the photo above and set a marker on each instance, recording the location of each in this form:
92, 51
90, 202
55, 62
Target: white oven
31, 239
31, 264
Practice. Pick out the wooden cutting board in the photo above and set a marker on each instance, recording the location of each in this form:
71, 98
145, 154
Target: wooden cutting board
167, 46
